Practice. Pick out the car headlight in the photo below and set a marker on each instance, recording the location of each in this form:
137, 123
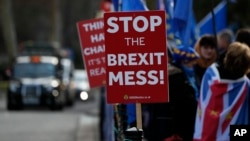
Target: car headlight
84, 95
55, 93
14, 85
54, 83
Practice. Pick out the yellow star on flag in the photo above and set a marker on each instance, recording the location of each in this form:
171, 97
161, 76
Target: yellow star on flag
214, 113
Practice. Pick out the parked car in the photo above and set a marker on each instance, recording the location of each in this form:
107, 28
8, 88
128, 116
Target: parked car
36, 77
82, 88
35, 80
67, 80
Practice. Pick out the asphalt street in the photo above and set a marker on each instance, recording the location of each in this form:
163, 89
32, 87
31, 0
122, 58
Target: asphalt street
82, 125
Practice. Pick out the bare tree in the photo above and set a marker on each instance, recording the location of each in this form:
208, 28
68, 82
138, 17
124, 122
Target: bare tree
8, 28
56, 22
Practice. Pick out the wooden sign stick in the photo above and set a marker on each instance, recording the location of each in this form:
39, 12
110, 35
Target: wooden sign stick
138, 116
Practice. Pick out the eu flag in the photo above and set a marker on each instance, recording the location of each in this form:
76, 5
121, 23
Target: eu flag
206, 25
184, 22
133, 5
169, 7
116, 4
180, 19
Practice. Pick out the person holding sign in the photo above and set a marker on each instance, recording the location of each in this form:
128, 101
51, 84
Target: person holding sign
177, 117
182, 93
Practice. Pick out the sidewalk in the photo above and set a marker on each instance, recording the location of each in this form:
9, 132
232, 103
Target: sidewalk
2, 97
3, 85
87, 129
88, 124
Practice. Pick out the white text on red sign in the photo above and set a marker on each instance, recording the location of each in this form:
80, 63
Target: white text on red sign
150, 24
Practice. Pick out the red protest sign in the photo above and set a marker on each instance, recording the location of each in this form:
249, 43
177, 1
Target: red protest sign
136, 57
91, 35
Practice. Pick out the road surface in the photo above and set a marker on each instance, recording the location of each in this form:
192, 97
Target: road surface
77, 123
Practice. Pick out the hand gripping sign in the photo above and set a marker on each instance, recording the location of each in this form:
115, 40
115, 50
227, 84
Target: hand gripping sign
136, 57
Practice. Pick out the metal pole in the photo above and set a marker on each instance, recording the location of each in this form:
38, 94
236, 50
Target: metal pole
214, 28
214, 19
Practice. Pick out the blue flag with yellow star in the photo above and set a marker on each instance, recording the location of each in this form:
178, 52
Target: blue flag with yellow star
184, 22
180, 20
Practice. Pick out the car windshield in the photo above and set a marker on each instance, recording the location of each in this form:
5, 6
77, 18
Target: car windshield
80, 76
33, 70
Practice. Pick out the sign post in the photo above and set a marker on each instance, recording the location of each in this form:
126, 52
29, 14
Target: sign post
138, 116
136, 58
